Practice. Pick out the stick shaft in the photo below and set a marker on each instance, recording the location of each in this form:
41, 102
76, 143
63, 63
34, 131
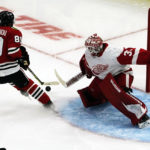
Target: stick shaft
36, 77
74, 79
70, 81
42, 83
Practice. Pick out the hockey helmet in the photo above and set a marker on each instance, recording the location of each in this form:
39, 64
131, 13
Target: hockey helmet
6, 18
94, 44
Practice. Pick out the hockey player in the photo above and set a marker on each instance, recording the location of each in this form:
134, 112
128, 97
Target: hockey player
113, 78
14, 57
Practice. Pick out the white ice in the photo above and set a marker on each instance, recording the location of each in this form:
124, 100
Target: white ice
24, 123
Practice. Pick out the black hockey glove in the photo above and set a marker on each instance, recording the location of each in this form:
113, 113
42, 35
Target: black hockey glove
24, 61
88, 76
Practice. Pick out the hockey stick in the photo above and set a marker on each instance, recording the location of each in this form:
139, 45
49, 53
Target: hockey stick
42, 83
70, 81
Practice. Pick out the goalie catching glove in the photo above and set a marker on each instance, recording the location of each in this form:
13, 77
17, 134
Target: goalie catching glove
24, 61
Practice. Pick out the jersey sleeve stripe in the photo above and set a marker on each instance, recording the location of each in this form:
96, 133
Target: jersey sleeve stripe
13, 50
135, 57
127, 80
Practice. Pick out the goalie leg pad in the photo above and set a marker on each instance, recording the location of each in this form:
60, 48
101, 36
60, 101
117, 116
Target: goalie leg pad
84, 97
91, 95
129, 105
87, 98
95, 91
124, 80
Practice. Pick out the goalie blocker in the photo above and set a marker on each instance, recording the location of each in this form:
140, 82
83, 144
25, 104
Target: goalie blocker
100, 91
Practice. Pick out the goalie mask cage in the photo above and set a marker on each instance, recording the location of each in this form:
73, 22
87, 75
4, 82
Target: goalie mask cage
148, 48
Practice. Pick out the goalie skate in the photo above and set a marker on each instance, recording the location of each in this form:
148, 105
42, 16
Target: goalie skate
145, 122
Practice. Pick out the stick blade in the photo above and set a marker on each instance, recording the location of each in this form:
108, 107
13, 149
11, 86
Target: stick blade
51, 83
60, 79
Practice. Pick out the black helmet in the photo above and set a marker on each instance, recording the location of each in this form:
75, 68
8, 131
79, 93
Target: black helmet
6, 18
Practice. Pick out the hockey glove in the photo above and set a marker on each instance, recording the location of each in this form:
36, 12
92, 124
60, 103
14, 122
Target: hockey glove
24, 61
88, 73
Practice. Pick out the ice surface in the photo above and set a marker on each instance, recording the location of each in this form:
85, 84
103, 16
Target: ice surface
24, 123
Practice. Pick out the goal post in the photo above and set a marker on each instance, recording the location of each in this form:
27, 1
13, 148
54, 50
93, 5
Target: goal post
148, 48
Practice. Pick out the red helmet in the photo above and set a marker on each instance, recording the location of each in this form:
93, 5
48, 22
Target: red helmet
94, 44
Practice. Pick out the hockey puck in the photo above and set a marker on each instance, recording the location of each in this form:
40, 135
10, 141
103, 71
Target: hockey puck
48, 88
2, 148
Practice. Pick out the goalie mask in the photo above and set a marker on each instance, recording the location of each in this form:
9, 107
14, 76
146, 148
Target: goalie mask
94, 44
6, 18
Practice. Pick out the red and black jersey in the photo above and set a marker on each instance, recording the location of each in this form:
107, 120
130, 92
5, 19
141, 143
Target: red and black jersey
10, 42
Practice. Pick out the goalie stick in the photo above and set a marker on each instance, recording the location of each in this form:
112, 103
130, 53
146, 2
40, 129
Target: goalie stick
42, 83
70, 81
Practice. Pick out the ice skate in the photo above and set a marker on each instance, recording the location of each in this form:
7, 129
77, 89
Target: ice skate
50, 105
24, 93
145, 122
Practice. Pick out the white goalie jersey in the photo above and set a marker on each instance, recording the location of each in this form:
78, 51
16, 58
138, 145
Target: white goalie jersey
114, 61
106, 63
